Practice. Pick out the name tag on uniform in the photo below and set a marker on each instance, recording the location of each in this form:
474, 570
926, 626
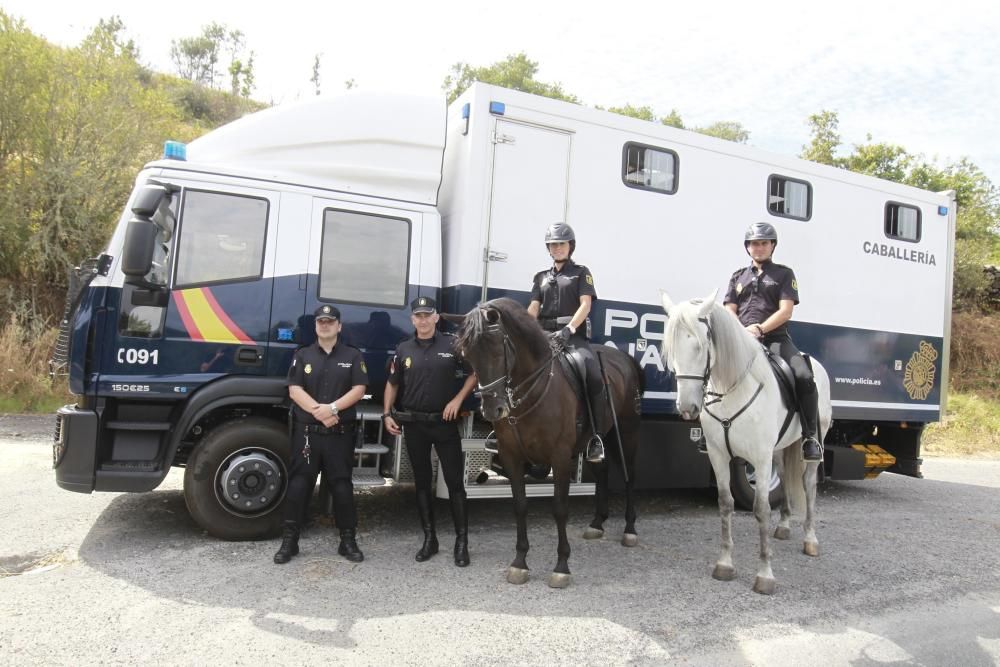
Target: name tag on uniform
345, 364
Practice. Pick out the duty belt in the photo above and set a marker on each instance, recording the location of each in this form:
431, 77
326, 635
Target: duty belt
554, 323
414, 416
318, 429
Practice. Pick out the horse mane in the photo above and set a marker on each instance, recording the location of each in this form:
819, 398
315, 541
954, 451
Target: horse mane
735, 347
516, 321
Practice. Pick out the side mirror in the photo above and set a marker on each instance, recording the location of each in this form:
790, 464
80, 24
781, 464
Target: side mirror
148, 200
137, 255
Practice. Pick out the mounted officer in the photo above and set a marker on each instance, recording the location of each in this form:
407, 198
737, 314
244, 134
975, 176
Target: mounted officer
561, 300
763, 296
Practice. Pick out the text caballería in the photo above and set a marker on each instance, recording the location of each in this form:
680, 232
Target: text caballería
903, 254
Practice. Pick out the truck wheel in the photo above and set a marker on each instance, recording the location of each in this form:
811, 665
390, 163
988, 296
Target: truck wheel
743, 482
236, 478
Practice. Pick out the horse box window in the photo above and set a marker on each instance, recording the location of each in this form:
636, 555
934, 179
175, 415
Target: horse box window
365, 258
789, 197
649, 168
902, 222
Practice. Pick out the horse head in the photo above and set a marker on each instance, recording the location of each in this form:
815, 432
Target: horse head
485, 343
687, 349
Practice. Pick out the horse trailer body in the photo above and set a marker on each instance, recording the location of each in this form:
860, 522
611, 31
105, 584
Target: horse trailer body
188, 320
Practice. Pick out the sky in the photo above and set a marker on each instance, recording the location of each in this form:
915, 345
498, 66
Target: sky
924, 75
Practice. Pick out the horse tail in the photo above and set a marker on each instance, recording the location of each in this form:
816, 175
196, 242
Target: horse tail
795, 490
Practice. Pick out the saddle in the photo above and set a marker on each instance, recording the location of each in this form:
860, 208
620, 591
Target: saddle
574, 368
785, 377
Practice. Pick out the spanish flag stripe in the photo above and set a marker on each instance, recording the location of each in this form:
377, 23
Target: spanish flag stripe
224, 318
205, 320
189, 323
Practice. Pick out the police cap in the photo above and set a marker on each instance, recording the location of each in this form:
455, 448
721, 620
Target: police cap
423, 304
327, 312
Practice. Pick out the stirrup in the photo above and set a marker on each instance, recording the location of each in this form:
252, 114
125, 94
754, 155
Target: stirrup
595, 449
812, 450
491, 444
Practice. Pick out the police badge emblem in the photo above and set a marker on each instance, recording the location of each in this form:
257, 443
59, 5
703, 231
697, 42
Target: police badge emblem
308, 369
408, 362
918, 379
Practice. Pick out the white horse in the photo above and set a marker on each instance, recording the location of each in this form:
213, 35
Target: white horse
712, 354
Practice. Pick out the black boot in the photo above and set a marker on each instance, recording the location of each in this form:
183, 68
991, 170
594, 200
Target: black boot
459, 514
289, 543
349, 547
597, 403
425, 508
812, 450
595, 449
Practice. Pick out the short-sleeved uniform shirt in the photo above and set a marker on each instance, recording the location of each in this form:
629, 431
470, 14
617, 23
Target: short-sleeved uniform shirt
427, 371
327, 377
757, 293
559, 292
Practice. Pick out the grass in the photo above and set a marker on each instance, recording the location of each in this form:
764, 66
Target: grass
971, 427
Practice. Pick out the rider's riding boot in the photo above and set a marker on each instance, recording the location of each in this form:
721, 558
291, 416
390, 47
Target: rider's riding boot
599, 411
349, 547
425, 508
812, 450
289, 543
459, 513
595, 449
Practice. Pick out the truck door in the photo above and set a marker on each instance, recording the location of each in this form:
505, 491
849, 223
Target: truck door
215, 259
529, 193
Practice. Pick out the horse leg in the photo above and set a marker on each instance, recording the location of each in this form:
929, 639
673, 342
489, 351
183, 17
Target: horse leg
517, 572
630, 538
784, 529
560, 577
764, 583
596, 528
724, 569
810, 546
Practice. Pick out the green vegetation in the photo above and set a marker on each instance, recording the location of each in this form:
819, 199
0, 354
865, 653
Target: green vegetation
972, 427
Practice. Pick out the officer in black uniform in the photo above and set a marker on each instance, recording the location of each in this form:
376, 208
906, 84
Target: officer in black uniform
325, 380
762, 296
422, 375
561, 299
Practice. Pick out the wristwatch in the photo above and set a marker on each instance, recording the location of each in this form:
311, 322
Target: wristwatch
334, 409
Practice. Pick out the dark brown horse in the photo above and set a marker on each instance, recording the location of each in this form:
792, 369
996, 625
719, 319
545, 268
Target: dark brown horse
534, 408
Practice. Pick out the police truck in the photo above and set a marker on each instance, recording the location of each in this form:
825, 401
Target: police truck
178, 336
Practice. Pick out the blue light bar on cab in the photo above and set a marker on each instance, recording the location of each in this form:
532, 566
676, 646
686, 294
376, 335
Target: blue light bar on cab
942, 210
498, 108
174, 150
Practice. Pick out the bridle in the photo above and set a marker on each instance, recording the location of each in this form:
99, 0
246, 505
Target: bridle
503, 388
726, 422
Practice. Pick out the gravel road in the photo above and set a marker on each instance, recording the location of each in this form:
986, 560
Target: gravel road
908, 575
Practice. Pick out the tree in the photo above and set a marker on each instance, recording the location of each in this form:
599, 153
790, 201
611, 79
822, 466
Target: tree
825, 139
673, 119
197, 58
726, 129
642, 113
516, 71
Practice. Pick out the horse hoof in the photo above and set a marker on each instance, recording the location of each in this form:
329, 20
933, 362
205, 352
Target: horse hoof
630, 540
592, 533
810, 548
782, 533
724, 573
559, 580
763, 586
516, 575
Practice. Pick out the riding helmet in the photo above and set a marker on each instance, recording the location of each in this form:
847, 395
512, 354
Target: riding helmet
760, 231
559, 232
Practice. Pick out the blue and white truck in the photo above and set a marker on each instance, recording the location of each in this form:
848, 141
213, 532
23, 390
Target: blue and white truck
177, 338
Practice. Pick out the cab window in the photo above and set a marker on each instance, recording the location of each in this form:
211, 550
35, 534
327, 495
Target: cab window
221, 238
365, 258
144, 320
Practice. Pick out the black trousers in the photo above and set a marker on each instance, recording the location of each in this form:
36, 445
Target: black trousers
333, 454
420, 436
783, 346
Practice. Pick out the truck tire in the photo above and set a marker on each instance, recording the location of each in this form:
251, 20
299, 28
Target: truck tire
236, 477
743, 485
